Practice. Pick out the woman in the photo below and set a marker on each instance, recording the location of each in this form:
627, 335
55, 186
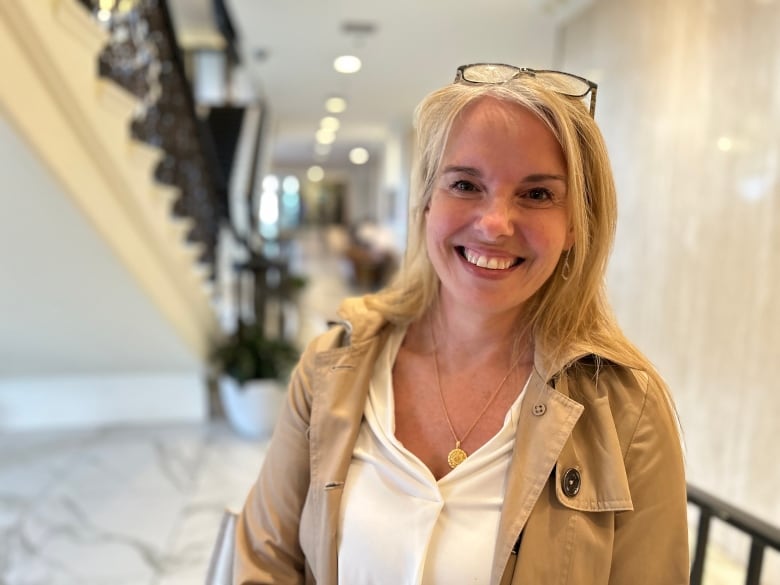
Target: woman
483, 419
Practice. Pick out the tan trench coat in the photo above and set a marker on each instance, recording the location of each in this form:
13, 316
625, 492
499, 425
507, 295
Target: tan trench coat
615, 443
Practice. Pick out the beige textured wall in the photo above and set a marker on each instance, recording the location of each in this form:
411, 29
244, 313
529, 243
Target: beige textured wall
689, 104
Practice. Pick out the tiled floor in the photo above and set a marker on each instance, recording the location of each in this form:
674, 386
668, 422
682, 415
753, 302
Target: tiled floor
142, 506
119, 506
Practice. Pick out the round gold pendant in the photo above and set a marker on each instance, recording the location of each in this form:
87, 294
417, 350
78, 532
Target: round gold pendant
456, 457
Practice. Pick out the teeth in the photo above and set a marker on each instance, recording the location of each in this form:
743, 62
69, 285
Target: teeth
486, 262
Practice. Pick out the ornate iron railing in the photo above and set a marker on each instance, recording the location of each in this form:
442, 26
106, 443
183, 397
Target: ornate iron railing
143, 57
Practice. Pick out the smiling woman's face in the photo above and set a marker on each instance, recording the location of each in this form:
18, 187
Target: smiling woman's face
498, 219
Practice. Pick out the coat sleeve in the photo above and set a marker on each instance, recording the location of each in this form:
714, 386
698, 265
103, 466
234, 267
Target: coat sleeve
651, 542
267, 544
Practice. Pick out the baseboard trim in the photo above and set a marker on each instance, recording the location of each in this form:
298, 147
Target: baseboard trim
99, 400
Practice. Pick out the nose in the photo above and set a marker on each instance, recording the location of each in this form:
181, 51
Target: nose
496, 218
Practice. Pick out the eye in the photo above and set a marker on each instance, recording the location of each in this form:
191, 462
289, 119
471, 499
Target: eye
539, 194
538, 197
462, 185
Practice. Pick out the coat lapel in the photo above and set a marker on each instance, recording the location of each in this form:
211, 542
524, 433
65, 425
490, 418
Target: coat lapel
333, 432
546, 421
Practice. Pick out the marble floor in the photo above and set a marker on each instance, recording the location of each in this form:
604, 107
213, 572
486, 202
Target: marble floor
142, 505
118, 506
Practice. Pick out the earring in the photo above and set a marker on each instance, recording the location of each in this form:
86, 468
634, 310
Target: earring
566, 270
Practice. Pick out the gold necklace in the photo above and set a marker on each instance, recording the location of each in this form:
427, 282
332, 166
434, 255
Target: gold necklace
457, 455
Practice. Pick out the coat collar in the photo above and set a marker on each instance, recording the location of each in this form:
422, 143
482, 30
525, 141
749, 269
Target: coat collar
353, 311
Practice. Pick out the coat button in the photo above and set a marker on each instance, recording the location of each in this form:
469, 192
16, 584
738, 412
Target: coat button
539, 409
571, 482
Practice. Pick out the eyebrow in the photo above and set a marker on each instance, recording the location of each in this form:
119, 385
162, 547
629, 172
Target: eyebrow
534, 178
545, 177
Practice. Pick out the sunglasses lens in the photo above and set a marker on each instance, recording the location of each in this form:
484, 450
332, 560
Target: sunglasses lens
564, 83
489, 73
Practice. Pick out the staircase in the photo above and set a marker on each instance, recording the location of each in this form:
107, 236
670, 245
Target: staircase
106, 312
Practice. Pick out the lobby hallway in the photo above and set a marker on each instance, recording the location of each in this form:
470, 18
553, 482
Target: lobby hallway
142, 505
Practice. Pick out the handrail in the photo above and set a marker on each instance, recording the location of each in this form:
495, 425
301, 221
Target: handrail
252, 183
762, 534
143, 56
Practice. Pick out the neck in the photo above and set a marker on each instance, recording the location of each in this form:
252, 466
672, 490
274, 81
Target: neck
472, 335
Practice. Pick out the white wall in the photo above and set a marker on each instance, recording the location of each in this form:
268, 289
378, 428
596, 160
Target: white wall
80, 343
690, 108
66, 304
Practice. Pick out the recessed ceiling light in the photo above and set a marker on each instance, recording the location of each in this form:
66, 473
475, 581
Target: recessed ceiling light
347, 64
330, 123
315, 173
325, 136
358, 156
335, 105
270, 183
322, 149
725, 144
290, 184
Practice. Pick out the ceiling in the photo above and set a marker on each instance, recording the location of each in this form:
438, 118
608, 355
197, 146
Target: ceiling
288, 48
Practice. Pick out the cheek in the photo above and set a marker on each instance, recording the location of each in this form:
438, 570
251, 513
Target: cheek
433, 235
439, 230
445, 218
552, 236
433, 224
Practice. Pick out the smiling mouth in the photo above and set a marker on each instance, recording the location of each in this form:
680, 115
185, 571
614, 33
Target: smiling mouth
489, 262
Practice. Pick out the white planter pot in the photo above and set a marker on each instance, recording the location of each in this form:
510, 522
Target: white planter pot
252, 409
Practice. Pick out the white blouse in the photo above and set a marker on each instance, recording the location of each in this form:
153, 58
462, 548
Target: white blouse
397, 524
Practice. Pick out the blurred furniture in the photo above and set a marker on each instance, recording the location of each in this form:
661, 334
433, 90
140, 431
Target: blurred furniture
221, 564
371, 254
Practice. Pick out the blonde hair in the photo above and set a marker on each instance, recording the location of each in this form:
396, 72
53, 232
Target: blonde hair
565, 316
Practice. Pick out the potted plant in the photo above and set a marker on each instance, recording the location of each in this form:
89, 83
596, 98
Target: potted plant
293, 285
253, 371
